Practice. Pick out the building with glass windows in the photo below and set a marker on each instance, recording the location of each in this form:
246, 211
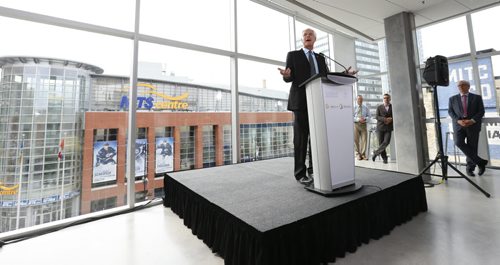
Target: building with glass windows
368, 63
42, 108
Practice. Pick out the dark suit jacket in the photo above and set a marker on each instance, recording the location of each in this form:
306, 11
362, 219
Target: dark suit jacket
300, 72
381, 114
475, 110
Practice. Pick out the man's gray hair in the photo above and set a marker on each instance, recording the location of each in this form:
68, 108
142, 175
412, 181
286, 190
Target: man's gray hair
314, 32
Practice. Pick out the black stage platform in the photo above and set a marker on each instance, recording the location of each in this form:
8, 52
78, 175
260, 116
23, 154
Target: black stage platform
256, 213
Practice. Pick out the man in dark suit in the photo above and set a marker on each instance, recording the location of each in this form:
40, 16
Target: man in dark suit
301, 65
384, 128
467, 111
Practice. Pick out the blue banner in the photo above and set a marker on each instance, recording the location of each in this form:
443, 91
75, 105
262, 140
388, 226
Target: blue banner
104, 161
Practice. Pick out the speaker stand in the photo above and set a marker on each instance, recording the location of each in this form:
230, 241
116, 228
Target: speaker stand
441, 155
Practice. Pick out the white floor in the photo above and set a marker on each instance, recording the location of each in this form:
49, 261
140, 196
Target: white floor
462, 226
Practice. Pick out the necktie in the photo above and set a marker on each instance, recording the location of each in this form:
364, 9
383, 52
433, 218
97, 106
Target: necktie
464, 104
359, 112
311, 63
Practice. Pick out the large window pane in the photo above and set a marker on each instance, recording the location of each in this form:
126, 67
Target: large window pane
200, 22
265, 124
88, 11
485, 34
167, 63
45, 147
448, 38
262, 77
111, 54
266, 36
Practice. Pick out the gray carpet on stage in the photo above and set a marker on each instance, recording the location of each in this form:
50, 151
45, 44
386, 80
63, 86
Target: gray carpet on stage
265, 194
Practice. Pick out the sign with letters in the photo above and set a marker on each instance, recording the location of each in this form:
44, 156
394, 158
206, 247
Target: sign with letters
463, 71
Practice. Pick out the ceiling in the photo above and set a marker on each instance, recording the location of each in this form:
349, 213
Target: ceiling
365, 18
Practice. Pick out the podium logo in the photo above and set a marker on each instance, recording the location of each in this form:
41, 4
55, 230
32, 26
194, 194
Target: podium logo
4, 190
172, 103
338, 106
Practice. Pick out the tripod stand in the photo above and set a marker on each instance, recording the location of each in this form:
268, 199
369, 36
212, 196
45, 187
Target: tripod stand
441, 156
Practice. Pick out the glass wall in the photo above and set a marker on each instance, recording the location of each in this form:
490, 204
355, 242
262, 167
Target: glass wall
373, 82
64, 95
45, 93
476, 63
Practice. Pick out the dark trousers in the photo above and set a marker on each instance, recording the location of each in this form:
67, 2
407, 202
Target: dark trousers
384, 139
469, 147
300, 143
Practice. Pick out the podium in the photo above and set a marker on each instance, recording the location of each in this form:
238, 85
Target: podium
330, 112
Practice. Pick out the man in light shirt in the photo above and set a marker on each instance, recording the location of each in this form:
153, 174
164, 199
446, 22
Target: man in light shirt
361, 116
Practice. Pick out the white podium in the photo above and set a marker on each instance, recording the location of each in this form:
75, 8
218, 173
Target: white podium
330, 111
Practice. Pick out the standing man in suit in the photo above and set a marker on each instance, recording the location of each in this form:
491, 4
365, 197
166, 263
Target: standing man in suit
467, 111
301, 65
384, 128
361, 116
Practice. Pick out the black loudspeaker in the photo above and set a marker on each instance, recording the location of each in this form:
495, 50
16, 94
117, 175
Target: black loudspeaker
436, 71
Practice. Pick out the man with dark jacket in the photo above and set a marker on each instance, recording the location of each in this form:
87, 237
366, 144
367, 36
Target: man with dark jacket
467, 111
384, 128
301, 65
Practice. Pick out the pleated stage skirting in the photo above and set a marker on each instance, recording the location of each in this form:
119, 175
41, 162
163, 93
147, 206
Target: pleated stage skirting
256, 213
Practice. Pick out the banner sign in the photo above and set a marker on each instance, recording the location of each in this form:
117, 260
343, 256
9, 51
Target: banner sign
141, 155
164, 154
104, 161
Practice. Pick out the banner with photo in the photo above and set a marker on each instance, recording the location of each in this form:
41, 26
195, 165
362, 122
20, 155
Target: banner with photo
141, 154
164, 154
104, 161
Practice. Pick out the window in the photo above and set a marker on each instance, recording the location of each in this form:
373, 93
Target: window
268, 36
122, 10
448, 38
168, 19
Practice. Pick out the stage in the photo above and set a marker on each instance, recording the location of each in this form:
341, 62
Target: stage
256, 213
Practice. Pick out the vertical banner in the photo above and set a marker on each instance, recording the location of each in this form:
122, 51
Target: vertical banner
141, 157
104, 161
164, 154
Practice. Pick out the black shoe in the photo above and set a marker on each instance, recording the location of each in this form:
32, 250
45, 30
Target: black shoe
305, 181
470, 173
482, 167
373, 158
385, 161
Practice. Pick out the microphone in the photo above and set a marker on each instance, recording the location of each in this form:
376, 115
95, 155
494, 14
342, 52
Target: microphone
327, 57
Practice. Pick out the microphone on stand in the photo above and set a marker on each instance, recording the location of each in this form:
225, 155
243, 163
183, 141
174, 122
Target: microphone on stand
327, 57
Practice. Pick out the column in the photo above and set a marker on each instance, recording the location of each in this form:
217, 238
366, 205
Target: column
409, 136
